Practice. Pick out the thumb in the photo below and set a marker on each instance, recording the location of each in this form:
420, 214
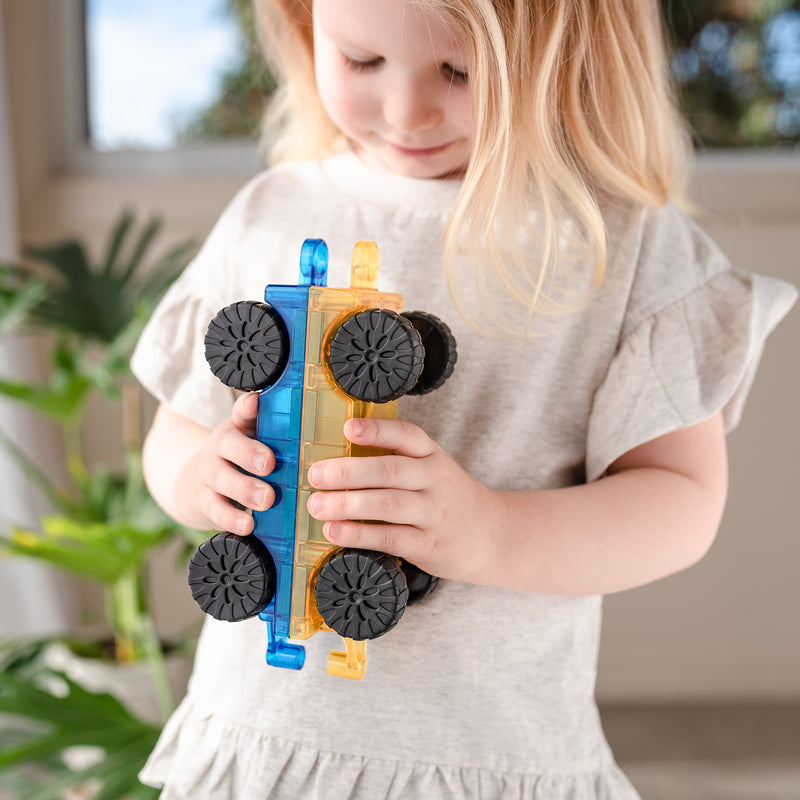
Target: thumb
245, 412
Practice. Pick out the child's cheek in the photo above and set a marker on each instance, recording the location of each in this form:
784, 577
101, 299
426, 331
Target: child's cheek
353, 103
459, 109
345, 104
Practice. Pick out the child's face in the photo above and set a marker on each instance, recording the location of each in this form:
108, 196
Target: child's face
393, 78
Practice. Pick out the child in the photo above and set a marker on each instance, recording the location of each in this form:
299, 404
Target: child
515, 162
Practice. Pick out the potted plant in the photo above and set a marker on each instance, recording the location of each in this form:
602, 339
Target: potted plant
104, 525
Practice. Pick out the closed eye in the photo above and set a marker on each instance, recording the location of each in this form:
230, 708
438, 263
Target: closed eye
362, 66
454, 75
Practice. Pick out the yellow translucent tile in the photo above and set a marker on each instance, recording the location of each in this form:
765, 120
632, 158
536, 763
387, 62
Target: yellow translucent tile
303, 517
314, 330
298, 598
309, 425
325, 409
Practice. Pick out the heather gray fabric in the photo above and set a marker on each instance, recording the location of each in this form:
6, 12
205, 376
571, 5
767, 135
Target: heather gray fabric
478, 692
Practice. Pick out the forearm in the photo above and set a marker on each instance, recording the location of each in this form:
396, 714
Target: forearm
655, 513
169, 455
626, 530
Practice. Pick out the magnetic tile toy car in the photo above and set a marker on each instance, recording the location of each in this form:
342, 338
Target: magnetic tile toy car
318, 356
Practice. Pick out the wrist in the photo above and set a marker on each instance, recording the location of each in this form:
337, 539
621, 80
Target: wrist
493, 523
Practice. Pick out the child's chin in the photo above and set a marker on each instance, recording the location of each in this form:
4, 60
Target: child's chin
409, 166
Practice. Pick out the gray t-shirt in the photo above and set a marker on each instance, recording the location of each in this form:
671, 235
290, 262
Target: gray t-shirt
478, 692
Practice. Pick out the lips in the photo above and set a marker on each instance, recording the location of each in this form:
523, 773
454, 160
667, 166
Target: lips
418, 152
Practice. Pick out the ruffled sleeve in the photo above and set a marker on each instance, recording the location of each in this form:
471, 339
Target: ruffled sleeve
686, 361
169, 359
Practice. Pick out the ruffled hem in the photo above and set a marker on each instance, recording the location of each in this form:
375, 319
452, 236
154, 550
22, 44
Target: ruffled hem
199, 755
685, 363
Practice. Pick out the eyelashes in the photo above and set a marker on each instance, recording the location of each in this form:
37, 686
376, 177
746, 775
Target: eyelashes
362, 66
449, 72
455, 75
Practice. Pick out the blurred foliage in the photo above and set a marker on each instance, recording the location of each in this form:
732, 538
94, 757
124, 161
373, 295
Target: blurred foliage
95, 311
104, 525
737, 65
89, 315
244, 91
78, 740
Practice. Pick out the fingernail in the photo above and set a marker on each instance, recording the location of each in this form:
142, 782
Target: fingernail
260, 463
259, 498
333, 531
315, 474
356, 427
243, 524
316, 503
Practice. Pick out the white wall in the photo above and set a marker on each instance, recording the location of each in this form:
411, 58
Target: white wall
727, 627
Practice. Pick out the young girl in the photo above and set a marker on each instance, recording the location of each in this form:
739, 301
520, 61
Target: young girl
516, 162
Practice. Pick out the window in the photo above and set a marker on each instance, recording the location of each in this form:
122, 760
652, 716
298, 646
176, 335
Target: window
163, 74
737, 64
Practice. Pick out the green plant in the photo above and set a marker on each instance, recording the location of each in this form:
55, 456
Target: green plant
45, 714
104, 525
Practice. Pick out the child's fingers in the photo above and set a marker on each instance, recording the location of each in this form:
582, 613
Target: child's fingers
397, 540
250, 492
251, 455
387, 505
245, 413
223, 515
392, 434
390, 472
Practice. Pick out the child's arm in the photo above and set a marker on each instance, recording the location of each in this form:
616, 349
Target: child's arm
655, 513
192, 471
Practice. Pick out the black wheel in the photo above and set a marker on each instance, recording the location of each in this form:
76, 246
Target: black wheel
361, 594
247, 345
232, 577
420, 583
376, 356
440, 351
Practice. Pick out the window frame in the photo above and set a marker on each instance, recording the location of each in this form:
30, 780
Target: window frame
70, 144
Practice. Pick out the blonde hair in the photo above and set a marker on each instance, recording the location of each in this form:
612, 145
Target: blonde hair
573, 108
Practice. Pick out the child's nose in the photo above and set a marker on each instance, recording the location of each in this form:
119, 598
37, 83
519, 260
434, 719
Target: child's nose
411, 107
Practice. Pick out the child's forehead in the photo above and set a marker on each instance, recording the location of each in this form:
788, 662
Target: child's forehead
386, 27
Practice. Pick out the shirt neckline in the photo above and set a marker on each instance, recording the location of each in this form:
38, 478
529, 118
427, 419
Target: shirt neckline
351, 176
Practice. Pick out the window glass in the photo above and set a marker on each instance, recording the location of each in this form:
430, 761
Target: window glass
737, 65
162, 73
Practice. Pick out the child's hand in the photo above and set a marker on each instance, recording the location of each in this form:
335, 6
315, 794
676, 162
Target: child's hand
433, 513
220, 466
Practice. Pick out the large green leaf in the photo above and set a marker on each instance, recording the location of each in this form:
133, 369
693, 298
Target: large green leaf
145, 239
95, 312
79, 299
18, 296
57, 498
52, 713
100, 552
98, 303
61, 398
158, 279
108, 526
118, 235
